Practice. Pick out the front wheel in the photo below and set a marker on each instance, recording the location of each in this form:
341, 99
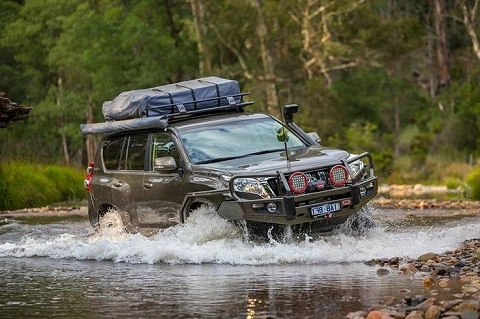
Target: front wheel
360, 222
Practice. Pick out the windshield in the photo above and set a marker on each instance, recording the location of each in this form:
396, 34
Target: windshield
239, 139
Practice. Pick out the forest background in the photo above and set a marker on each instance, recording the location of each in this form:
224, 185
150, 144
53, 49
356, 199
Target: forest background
397, 78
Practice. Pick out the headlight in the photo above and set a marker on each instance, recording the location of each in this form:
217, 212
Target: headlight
250, 186
356, 168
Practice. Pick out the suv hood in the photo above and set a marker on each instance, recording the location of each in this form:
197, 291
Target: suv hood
300, 159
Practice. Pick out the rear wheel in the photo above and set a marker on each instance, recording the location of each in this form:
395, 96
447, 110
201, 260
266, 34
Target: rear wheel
111, 218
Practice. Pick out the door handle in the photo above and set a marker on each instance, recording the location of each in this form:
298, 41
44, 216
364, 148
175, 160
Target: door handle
118, 183
148, 185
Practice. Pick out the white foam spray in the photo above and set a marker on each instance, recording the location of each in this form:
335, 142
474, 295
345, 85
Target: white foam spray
207, 238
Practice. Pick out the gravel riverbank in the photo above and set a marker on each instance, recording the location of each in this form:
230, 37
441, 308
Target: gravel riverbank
451, 280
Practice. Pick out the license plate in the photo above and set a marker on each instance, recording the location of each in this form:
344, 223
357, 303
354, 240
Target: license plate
325, 209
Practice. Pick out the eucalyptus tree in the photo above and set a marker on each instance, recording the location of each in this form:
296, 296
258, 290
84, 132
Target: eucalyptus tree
80, 53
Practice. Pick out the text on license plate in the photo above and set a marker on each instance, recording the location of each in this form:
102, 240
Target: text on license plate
325, 209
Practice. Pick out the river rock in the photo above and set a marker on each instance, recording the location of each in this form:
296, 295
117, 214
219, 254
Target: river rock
383, 271
433, 312
408, 269
415, 315
467, 305
469, 314
449, 304
375, 314
356, 315
425, 305
426, 257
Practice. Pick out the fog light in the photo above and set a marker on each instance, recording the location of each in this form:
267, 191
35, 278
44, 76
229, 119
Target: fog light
363, 191
298, 182
272, 207
338, 176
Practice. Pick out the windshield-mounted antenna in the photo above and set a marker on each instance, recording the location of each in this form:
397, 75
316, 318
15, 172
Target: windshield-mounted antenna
283, 132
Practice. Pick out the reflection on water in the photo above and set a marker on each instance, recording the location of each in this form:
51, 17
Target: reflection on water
204, 269
72, 288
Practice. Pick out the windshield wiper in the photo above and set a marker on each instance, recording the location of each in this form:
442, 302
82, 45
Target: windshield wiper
221, 159
263, 152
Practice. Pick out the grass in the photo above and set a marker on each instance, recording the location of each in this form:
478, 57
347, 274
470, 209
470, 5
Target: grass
25, 185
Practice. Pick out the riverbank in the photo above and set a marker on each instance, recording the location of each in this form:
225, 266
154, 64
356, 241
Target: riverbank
451, 282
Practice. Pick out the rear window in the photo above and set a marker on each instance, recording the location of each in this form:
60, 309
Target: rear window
125, 152
136, 147
112, 152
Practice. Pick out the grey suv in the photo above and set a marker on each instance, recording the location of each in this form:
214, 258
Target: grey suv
163, 160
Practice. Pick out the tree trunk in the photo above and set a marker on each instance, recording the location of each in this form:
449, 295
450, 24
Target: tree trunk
63, 136
90, 141
397, 128
442, 48
267, 62
198, 13
469, 17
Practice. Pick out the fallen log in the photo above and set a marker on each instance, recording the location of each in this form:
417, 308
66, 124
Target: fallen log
11, 112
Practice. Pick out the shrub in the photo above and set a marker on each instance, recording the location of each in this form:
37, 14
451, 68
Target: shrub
473, 182
24, 185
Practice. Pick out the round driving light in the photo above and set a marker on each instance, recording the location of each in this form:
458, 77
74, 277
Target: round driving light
272, 207
338, 176
298, 182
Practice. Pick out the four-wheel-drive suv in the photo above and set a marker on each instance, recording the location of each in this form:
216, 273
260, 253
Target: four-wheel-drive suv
171, 149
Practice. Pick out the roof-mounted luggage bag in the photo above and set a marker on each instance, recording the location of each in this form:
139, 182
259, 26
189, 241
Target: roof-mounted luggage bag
198, 94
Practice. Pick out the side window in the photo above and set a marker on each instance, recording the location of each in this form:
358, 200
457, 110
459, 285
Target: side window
163, 145
112, 152
135, 152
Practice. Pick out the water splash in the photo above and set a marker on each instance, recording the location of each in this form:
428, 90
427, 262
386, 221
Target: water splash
207, 238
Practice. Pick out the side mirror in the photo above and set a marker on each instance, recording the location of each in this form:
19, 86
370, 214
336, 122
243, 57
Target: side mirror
164, 164
314, 136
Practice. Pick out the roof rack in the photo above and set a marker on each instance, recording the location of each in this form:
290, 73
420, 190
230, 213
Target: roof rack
192, 108
154, 107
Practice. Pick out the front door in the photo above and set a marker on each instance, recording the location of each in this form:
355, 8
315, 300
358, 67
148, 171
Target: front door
162, 196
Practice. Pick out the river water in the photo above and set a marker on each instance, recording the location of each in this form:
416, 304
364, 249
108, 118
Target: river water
207, 268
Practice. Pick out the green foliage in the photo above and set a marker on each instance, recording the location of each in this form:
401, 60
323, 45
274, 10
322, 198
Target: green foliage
473, 182
27, 185
363, 72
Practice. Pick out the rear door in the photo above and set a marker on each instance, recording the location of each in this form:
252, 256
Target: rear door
127, 180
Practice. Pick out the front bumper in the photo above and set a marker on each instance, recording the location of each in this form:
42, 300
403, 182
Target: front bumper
297, 209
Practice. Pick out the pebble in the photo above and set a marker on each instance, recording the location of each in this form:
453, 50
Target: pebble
461, 265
